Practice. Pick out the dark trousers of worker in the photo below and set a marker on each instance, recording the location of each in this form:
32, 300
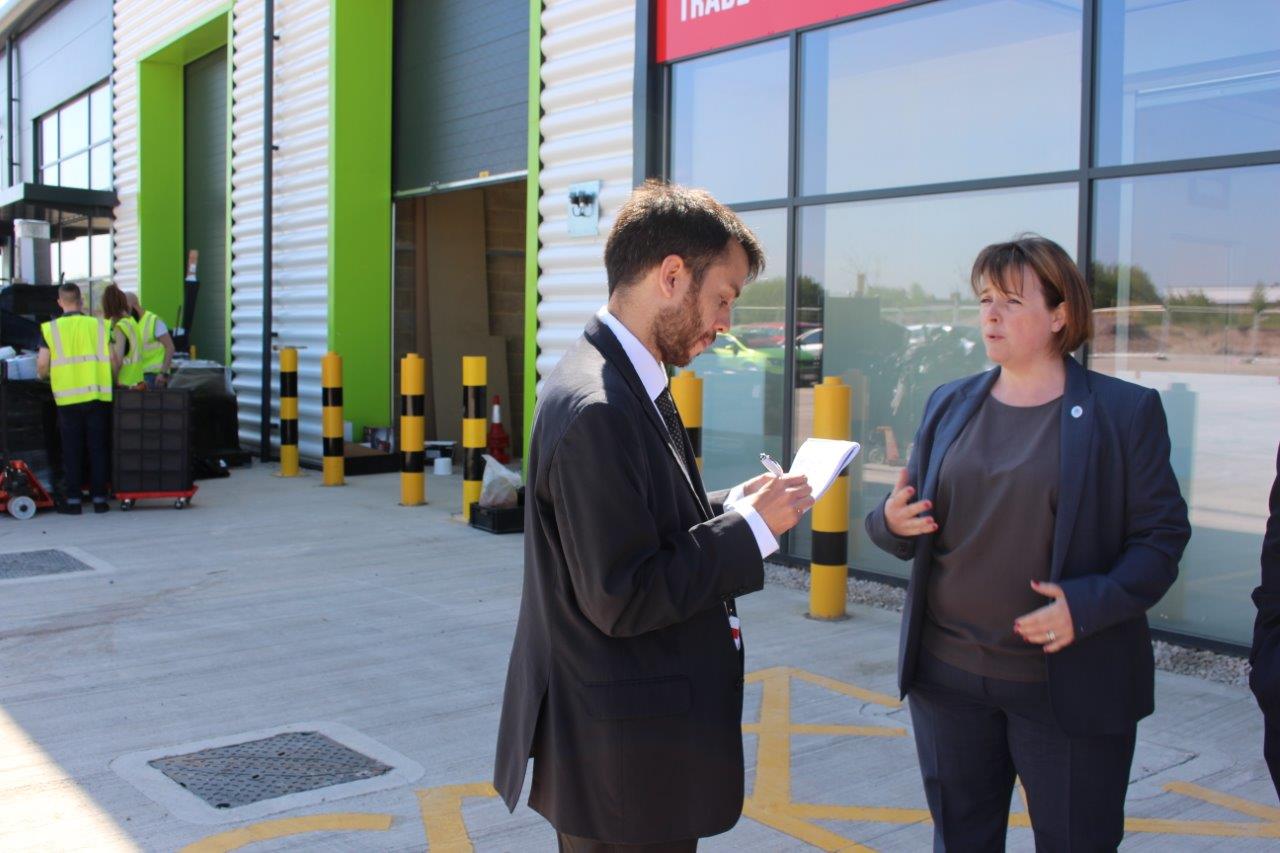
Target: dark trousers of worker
1271, 745
975, 734
574, 844
84, 428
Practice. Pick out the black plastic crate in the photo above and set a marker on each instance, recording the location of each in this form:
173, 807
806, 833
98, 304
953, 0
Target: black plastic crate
152, 447
498, 519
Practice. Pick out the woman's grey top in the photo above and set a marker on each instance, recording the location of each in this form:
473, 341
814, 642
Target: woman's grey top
996, 503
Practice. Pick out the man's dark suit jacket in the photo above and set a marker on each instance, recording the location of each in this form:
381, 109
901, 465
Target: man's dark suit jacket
1120, 530
1264, 678
624, 684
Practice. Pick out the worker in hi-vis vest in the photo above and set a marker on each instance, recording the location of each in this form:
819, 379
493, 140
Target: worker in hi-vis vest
126, 338
76, 359
157, 344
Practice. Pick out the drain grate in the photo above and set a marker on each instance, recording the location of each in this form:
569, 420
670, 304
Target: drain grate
227, 777
31, 564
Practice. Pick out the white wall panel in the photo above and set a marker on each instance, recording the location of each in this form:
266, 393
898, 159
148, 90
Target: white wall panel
300, 214
301, 182
587, 78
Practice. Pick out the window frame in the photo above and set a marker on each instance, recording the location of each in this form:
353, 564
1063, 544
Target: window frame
652, 126
38, 162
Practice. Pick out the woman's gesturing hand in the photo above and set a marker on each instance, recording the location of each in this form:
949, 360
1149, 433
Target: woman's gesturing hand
904, 519
1051, 626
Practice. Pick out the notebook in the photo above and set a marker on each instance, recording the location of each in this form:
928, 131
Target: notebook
821, 460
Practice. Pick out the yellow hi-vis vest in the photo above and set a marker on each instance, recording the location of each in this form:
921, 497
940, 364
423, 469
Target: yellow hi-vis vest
131, 368
152, 349
79, 359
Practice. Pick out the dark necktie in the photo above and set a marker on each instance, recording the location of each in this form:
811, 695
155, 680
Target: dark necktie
675, 427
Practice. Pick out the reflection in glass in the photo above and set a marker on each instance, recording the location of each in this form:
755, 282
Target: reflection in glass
887, 282
49, 140
729, 122
73, 133
1196, 78
742, 388
1186, 279
945, 91
100, 114
100, 168
75, 258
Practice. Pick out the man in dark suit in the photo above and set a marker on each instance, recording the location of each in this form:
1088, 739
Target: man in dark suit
1264, 678
625, 680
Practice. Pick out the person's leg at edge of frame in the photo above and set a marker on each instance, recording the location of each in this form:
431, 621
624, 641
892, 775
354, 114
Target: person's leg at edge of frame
961, 743
71, 425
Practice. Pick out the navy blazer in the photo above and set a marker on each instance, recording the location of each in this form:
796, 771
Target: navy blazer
1264, 676
1120, 530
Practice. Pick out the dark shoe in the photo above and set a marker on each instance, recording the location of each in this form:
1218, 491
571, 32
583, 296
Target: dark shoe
101, 506
69, 509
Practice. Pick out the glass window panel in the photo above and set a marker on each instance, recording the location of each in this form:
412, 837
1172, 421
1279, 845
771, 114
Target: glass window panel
100, 114
48, 139
49, 175
946, 91
729, 122
742, 388
75, 171
887, 282
1195, 78
1187, 284
100, 167
73, 131
100, 256
75, 258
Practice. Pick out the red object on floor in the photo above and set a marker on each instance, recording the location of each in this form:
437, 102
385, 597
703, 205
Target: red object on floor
21, 492
499, 441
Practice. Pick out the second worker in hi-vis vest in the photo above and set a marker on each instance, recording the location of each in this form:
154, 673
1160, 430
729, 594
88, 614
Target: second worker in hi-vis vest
76, 359
157, 344
126, 338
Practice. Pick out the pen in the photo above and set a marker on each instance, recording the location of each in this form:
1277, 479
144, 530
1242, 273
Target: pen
772, 467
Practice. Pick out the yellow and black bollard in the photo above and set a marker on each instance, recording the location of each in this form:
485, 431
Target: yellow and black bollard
829, 557
413, 433
686, 390
288, 412
331, 418
475, 376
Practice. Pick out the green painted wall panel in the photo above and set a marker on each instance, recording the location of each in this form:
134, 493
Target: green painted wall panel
532, 221
360, 238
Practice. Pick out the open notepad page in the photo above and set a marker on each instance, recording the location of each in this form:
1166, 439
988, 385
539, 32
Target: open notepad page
821, 460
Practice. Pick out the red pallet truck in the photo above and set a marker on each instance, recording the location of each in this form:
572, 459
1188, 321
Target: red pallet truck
21, 492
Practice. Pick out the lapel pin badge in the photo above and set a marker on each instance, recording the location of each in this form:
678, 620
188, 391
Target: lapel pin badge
1076, 411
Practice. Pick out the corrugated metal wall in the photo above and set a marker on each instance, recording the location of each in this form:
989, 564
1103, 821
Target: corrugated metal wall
587, 78
300, 220
139, 26
301, 211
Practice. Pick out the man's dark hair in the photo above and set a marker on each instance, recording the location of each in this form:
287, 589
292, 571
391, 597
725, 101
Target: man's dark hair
69, 291
662, 219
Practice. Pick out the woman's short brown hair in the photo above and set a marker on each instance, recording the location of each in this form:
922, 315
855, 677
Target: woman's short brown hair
114, 303
1001, 264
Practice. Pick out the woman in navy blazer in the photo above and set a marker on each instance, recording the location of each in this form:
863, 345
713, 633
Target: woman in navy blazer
1112, 526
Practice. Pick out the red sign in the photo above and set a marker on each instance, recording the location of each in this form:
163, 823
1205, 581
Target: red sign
686, 27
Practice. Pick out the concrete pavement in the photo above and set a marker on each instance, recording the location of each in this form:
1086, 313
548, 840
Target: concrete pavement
276, 602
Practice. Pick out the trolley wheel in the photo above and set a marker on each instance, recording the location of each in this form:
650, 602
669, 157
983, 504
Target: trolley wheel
179, 503
22, 507
126, 505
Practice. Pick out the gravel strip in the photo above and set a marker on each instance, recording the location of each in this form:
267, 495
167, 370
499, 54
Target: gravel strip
1199, 663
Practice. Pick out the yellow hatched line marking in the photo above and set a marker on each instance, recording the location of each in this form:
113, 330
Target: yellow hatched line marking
284, 827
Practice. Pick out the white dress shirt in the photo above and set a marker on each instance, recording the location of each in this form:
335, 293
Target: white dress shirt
654, 378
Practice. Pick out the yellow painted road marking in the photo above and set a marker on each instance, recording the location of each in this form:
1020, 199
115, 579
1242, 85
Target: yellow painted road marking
442, 816
284, 827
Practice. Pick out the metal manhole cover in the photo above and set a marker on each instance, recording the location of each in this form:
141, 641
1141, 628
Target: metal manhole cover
227, 777
30, 564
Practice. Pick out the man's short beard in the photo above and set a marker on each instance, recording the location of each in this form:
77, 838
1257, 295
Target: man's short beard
677, 330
